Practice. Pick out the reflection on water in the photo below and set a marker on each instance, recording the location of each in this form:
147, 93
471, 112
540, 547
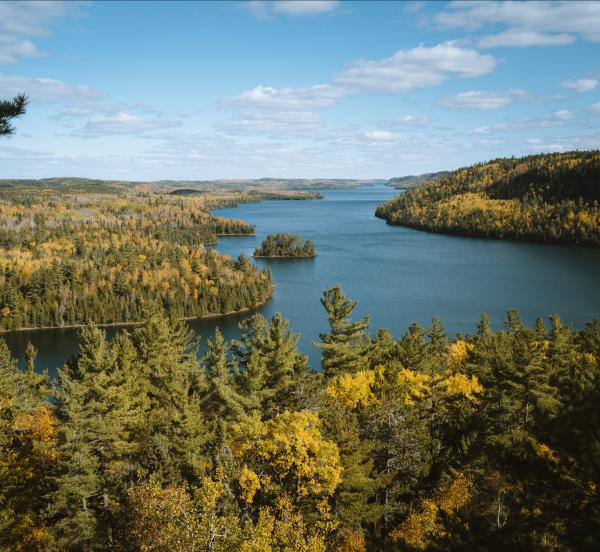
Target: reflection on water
397, 274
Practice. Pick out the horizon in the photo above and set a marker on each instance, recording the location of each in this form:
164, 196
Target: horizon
152, 91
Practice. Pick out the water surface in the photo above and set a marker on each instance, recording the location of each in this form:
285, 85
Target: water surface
398, 275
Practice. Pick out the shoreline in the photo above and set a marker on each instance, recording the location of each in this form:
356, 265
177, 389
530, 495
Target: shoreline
136, 322
284, 256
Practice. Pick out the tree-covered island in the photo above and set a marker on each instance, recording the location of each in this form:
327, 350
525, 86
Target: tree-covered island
285, 245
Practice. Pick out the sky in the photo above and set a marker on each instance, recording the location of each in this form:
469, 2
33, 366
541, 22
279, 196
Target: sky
294, 89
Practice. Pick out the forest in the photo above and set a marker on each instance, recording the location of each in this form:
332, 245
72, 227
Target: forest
481, 442
285, 245
71, 252
542, 198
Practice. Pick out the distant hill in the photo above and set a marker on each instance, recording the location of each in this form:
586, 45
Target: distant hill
406, 182
190, 186
270, 183
66, 184
546, 198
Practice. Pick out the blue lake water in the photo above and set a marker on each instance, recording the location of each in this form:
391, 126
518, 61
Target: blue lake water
396, 274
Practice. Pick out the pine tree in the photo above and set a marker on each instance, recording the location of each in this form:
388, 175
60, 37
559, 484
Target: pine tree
513, 321
10, 109
221, 402
345, 347
285, 367
353, 500
385, 351
175, 430
412, 347
484, 326
272, 371
540, 331
76, 505
251, 382
438, 338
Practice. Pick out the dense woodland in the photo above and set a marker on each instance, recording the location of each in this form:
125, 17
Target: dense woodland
85, 251
546, 198
483, 442
285, 245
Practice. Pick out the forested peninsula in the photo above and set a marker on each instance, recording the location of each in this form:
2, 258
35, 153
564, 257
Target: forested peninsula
484, 442
541, 198
285, 245
75, 250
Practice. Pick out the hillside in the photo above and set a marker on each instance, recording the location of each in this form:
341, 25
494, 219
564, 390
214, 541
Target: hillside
410, 181
543, 198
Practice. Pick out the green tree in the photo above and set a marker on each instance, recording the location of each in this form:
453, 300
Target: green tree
175, 431
345, 347
9, 110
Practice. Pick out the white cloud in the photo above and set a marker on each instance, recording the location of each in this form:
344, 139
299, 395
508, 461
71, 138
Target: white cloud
45, 90
411, 120
416, 68
304, 7
32, 18
121, 124
267, 9
594, 108
520, 38
320, 95
382, 135
478, 99
405, 70
481, 130
280, 124
579, 18
13, 50
535, 144
556, 119
93, 109
20, 20
561, 116
581, 85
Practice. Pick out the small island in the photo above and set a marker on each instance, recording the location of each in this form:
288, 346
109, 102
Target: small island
285, 246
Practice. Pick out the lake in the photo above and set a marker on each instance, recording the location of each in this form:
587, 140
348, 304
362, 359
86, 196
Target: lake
396, 274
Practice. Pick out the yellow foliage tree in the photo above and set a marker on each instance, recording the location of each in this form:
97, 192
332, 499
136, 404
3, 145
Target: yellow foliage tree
290, 454
425, 524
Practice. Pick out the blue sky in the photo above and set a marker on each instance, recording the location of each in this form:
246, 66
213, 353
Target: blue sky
159, 90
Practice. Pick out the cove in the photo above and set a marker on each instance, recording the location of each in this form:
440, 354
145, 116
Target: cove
398, 275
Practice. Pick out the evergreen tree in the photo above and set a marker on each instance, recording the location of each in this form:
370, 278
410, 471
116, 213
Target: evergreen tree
10, 109
484, 326
345, 347
221, 403
175, 430
285, 367
76, 505
438, 338
412, 347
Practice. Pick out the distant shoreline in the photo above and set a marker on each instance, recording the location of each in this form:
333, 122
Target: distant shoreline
284, 256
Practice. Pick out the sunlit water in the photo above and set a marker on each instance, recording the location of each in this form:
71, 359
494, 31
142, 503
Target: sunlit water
396, 274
